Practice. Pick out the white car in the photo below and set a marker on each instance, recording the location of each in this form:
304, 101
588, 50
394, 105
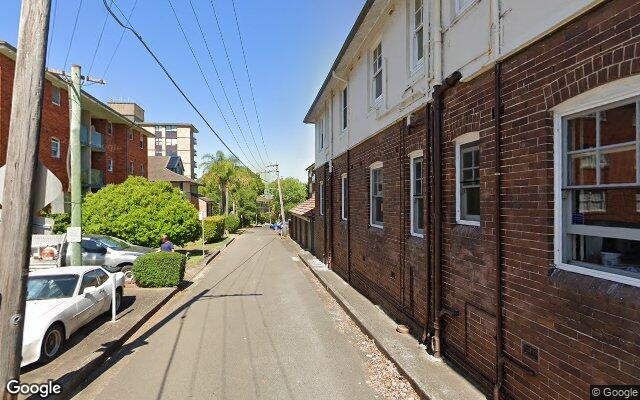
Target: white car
59, 302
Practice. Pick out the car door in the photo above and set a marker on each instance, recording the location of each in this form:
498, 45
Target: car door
88, 306
105, 289
93, 253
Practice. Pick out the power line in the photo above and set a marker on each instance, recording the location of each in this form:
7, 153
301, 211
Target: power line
95, 52
115, 50
233, 75
224, 91
246, 67
164, 69
73, 33
53, 27
206, 81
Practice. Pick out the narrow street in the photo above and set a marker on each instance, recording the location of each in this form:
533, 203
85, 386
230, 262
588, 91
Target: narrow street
255, 326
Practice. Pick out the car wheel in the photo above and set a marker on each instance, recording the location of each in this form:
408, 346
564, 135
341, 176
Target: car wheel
127, 270
52, 342
118, 299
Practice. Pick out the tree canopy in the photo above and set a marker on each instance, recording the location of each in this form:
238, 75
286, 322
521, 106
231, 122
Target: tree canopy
140, 212
294, 192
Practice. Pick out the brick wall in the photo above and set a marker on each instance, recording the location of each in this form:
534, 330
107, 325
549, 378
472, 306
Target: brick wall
586, 330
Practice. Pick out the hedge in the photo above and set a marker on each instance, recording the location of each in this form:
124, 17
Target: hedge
162, 269
232, 223
213, 228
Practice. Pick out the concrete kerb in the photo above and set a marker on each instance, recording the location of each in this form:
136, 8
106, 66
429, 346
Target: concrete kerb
428, 387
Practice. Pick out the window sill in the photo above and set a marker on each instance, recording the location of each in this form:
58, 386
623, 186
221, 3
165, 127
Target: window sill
468, 223
417, 235
609, 276
376, 226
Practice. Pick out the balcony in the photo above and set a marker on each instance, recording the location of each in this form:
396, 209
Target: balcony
94, 140
93, 178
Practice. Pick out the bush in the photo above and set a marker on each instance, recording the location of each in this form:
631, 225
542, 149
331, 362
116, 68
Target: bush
232, 223
140, 212
213, 228
160, 269
60, 222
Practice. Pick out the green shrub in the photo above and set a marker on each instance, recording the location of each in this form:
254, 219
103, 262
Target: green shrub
232, 223
162, 269
213, 228
140, 212
60, 222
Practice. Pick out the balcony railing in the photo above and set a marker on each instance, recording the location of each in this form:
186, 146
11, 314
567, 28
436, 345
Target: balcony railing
94, 140
92, 178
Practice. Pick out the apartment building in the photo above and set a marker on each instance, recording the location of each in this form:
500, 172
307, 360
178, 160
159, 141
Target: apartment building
174, 139
477, 176
113, 147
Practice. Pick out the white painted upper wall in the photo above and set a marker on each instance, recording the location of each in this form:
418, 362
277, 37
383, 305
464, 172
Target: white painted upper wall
473, 38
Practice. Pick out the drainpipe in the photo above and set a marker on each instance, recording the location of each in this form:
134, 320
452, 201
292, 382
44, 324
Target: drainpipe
496, 218
331, 206
436, 34
438, 96
428, 223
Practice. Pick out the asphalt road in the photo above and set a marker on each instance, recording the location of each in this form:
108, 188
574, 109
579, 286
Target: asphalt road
254, 326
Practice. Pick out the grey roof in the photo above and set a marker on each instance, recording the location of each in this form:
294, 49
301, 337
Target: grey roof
158, 171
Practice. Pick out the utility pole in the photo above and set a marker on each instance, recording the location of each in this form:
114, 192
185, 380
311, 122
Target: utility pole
276, 169
17, 206
76, 162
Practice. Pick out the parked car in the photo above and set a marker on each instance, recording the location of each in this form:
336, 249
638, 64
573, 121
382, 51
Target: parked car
114, 254
59, 302
276, 226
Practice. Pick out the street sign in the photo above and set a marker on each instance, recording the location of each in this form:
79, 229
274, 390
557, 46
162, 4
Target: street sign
48, 187
201, 215
74, 234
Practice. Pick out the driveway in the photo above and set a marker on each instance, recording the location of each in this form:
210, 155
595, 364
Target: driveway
255, 326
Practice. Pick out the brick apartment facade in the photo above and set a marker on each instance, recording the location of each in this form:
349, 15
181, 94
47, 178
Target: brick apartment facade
114, 145
561, 330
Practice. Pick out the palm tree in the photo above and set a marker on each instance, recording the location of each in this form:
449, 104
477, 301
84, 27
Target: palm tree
219, 171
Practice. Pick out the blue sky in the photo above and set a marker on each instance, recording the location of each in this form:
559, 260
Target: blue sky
290, 46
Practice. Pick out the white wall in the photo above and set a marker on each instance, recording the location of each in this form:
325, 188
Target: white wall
471, 42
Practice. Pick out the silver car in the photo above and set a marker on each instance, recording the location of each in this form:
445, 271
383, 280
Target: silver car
115, 255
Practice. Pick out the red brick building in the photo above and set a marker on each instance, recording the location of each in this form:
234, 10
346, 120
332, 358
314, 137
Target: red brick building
498, 214
113, 147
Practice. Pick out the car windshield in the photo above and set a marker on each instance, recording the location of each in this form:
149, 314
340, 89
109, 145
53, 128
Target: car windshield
51, 287
112, 243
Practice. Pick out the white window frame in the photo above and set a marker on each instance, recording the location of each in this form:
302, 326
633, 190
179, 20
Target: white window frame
59, 151
55, 89
459, 142
132, 168
374, 167
413, 156
110, 165
344, 195
109, 127
141, 140
321, 196
344, 109
320, 125
416, 63
619, 91
375, 70
141, 169
130, 133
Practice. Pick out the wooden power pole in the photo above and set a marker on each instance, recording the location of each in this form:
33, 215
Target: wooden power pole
17, 205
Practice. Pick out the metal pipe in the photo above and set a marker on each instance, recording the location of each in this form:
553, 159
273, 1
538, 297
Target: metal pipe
438, 96
428, 224
496, 221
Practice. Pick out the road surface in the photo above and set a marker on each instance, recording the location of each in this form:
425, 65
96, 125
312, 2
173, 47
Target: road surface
254, 326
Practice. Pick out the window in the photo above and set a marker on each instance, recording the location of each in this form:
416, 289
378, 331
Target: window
109, 128
89, 279
158, 141
130, 132
468, 179
376, 75
321, 133
597, 190
462, 5
102, 276
141, 169
131, 168
417, 193
417, 24
321, 199
55, 148
345, 107
55, 95
141, 141
344, 190
376, 208
110, 165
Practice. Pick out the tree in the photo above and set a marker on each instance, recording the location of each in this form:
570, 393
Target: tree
294, 192
219, 170
140, 212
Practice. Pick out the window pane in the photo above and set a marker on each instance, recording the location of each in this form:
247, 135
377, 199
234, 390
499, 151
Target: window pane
583, 168
618, 125
418, 214
420, 44
378, 85
609, 254
609, 208
581, 133
618, 165
378, 210
470, 203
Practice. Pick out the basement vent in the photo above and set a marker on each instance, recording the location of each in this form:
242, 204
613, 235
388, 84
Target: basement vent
530, 351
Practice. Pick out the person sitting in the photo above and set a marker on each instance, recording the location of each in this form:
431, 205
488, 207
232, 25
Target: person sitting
166, 244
